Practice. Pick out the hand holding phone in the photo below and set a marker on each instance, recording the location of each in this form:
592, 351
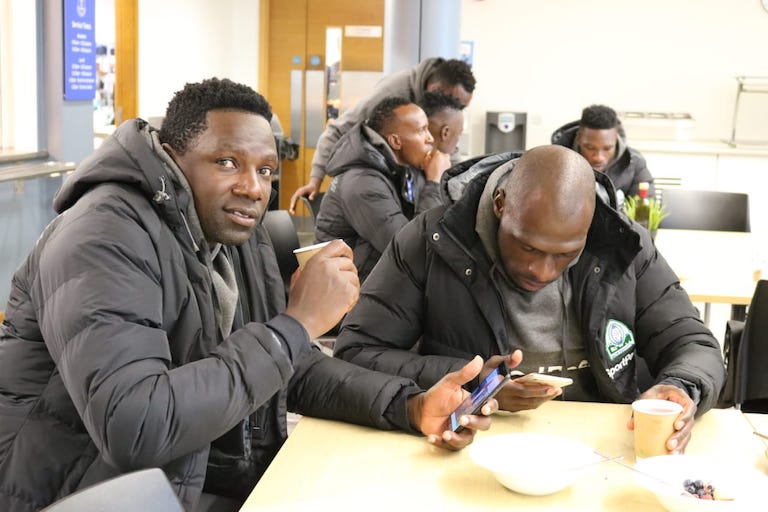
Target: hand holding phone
544, 380
484, 392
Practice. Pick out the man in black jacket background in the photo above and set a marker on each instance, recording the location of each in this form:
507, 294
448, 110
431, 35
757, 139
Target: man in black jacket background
385, 171
527, 257
148, 326
599, 137
446, 120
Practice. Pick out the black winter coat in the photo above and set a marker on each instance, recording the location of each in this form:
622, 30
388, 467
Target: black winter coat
367, 203
429, 305
111, 357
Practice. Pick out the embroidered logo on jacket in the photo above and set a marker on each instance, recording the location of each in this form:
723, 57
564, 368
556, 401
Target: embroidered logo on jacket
618, 339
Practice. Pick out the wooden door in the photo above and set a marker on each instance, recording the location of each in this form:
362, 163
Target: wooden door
295, 79
126, 60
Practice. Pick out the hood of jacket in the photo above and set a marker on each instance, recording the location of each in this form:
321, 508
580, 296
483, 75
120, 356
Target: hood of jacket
419, 76
463, 184
132, 156
363, 147
566, 136
456, 180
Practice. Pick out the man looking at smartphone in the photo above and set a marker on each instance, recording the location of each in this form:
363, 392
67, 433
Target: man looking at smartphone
528, 257
148, 326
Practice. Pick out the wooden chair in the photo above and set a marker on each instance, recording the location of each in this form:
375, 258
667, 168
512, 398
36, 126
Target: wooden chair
146, 490
707, 210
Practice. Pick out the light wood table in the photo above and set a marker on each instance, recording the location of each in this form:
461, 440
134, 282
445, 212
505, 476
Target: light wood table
714, 266
759, 423
328, 465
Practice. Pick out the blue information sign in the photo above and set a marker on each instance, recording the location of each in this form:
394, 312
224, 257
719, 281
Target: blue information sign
79, 50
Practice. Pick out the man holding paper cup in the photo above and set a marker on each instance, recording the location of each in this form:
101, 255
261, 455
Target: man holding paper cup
149, 327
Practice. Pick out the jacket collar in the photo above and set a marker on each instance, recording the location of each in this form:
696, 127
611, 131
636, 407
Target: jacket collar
610, 237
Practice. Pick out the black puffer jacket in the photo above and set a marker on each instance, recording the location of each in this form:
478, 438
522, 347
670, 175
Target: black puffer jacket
628, 169
367, 202
111, 358
432, 286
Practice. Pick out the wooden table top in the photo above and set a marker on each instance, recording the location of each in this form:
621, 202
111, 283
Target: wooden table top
713, 266
331, 465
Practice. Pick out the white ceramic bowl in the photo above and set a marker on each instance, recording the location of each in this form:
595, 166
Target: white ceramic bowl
746, 485
534, 464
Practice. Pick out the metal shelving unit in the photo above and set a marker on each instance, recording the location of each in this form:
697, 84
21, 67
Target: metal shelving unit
747, 84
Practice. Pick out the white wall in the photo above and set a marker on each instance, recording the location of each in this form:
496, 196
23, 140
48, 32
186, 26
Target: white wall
184, 41
18, 75
551, 58
105, 22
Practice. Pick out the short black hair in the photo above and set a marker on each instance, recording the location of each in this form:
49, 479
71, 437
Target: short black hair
599, 117
453, 72
384, 112
185, 117
435, 102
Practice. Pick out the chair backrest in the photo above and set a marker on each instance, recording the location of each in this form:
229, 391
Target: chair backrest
705, 210
746, 356
285, 239
145, 490
754, 346
313, 205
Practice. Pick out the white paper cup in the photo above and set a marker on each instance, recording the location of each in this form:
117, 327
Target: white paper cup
304, 253
654, 423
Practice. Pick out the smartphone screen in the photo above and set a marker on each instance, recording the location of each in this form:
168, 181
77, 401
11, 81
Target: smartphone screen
482, 393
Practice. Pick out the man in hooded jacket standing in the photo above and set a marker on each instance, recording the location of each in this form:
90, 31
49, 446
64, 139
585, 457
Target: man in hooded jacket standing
148, 326
435, 74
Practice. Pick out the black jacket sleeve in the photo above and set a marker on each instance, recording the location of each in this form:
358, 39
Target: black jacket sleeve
100, 287
675, 342
386, 323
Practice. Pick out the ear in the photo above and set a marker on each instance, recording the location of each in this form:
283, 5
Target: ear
394, 142
498, 202
445, 132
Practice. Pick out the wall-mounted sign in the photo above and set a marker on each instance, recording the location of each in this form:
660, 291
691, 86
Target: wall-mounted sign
362, 31
79, 50
467, 52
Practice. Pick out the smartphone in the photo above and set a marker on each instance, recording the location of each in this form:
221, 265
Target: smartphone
545, 380
482, 393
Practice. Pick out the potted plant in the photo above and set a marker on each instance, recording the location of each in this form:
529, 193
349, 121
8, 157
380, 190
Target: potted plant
656, 212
